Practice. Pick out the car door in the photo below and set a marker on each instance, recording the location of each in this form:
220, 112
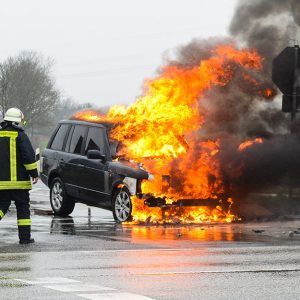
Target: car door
73, 160
95, 177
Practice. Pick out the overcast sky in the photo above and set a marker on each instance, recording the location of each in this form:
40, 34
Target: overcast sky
104, 49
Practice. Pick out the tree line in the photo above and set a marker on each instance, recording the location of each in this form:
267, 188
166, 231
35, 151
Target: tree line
26, 82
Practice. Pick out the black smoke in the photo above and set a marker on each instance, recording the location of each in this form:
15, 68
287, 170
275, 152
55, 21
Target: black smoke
238, 111
264, 25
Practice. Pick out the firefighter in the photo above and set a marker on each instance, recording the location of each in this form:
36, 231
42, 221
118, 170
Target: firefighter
18, 166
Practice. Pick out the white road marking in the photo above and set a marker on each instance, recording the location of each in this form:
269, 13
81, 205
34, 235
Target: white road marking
73, 286
79, 287
279, 248
114, 296
101, 251
48, 280
219, 271
143, 250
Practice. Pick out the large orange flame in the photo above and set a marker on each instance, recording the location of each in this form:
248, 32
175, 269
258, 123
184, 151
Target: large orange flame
160, 130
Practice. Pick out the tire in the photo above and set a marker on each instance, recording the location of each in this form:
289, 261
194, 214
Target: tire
122, 205
61, 204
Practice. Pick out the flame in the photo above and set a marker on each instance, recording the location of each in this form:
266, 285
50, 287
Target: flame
161, 130
175, 215
248, 143
268, 93
89, 115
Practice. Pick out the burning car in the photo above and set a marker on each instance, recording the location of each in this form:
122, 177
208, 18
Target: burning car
191, 128
77, 166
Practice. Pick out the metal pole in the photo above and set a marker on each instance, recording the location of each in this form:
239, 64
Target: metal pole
295, 87
293, 114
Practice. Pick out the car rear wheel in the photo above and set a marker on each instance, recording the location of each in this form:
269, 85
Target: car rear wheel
61, 204
122, 205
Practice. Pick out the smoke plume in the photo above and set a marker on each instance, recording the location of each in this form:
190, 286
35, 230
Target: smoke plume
263, 24
237, 111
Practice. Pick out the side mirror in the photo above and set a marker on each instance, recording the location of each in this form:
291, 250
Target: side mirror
95, 154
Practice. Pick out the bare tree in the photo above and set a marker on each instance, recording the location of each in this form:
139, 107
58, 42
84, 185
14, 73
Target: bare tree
26, 83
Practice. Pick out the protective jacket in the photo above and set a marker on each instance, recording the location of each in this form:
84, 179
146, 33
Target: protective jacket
17, 158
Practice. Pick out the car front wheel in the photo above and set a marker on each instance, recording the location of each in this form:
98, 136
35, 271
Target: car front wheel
122, 205
61, 204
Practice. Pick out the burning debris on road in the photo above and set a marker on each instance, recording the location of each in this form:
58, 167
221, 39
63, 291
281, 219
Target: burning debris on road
204, 126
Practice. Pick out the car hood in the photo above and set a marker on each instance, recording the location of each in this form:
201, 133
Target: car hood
128, 169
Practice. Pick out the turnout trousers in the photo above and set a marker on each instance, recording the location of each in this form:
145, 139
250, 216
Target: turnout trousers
21, 199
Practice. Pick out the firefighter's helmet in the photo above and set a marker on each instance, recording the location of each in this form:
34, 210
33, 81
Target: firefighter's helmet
14, 115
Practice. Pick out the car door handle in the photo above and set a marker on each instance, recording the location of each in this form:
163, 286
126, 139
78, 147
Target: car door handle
62, 162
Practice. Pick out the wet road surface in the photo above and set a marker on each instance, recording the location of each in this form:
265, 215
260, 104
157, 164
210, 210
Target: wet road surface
84, 257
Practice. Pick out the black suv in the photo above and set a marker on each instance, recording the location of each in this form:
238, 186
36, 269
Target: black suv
77, 166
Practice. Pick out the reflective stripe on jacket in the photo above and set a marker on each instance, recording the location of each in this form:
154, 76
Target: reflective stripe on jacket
17, 159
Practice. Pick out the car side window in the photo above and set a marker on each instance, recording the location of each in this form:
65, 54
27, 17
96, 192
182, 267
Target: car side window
77, 139
95, 140
58, 141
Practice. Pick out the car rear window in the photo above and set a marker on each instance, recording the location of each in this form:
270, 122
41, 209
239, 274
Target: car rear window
95, 140
58, 141
77, 139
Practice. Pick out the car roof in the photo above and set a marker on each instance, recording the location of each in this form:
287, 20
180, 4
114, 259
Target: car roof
77, 122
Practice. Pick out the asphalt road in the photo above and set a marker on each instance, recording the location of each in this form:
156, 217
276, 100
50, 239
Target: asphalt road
91, 257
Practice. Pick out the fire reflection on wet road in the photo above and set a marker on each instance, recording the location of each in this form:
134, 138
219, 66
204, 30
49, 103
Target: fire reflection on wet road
175, 235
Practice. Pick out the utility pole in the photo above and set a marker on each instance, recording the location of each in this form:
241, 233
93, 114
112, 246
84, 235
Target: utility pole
286, 76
